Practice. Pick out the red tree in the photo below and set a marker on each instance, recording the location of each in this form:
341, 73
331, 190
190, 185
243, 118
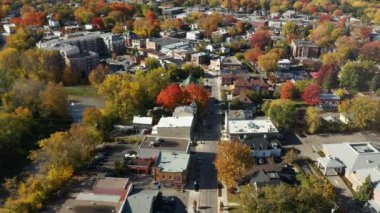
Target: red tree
171, 97
151, 16
311, 94
197, 93
287, 90
371, 50
98, 23
261, 38
327, 76
324, 18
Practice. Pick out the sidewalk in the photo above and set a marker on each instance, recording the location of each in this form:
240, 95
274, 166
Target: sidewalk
223, 199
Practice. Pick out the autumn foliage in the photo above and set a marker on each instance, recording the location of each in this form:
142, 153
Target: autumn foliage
311, 94
232, 161
173, 96
252, 55
261, 38
287, 90
371, 50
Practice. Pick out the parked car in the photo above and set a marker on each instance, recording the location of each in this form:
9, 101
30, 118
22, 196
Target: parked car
131, 154
196, 186
146, 131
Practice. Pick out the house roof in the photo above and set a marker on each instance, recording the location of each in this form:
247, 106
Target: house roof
262, 177
259, 82
244, 99
328, 96
354, 156
242, 83
173, 161
251, 126
182, 111
140, 202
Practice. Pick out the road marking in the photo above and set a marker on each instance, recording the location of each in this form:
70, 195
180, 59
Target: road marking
337, 183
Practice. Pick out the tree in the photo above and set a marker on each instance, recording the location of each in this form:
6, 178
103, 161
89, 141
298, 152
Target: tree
348, 47
97, 75
268, 62
260, 39
54, 102
334, 58
232, 161
93, 117
322, 34
171, 97
171, 24
21, 40
291, 30
210, 23
118, 28
283, 113
357, 75
287, 90
151, 16
83, 15
371, 51
144, 28
152, 63
313, 119
197, 93
327, 76
311, 94
252, 55
365, 192
291, 156
300, 85
364, 112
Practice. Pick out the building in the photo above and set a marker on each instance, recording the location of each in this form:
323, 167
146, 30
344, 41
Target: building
193, 35
173, 11
261, 147
230, 76
184, 111
151, 146
170, 48
140, 123
109, 194
356, 161
200, 58
329, 102
262, 178
138, 43
140, 165
234, 115
157, 43
263, 128
141, 201
284, 64
171, 169
226, 63
304, 49
177, 127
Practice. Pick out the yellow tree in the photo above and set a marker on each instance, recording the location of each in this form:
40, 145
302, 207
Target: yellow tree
232, 161
313, 118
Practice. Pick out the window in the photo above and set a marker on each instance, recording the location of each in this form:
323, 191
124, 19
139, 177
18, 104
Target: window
170, 177
163, 177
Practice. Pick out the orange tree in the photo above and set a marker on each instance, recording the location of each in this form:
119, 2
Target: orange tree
232, 161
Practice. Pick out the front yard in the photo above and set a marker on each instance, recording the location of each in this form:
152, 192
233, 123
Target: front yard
234, 203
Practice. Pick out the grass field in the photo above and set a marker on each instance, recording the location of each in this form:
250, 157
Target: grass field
82, 90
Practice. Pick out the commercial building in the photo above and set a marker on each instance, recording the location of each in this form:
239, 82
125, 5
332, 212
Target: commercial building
151, 146
140, 123
171, 169
304, 49
177, 127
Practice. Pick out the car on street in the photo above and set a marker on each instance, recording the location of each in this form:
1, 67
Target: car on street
131, 154
196, 186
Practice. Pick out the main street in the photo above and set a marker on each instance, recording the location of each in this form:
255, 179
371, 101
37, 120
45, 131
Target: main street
207, 197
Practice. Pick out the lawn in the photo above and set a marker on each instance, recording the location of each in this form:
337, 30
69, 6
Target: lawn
233, 199
82, 90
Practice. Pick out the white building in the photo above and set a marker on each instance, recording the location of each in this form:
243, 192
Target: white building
193, 35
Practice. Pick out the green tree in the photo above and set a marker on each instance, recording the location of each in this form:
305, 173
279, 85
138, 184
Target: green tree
313, 119
291, 30
152, 63
283, 113
364, 192
364, 112
291, 156
357, 75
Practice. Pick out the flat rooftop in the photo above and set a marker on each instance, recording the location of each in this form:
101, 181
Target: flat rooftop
364, 148
88, 206
173, 161
170, 144
111, 183
175, 121
251, 126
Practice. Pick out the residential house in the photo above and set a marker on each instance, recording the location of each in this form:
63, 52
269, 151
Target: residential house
193, 35
200, 58
262, 147
171, 169
226, 63
141, 201
358, 160
329, 102
157, 43
262, 178
302, 49
138, 43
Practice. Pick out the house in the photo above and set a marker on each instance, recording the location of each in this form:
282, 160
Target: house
138, 43
226, 63
234, 115
259, 23
289, 14
260, 85
262, 147
329, 102
170, 48
262, 178
9, 28
284, 64
173, 11
302, 49
141, 201
151, 146
171, 169
109, 194
185, 111
193, 35
357, 161
200, 58
140, 123
157, 43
